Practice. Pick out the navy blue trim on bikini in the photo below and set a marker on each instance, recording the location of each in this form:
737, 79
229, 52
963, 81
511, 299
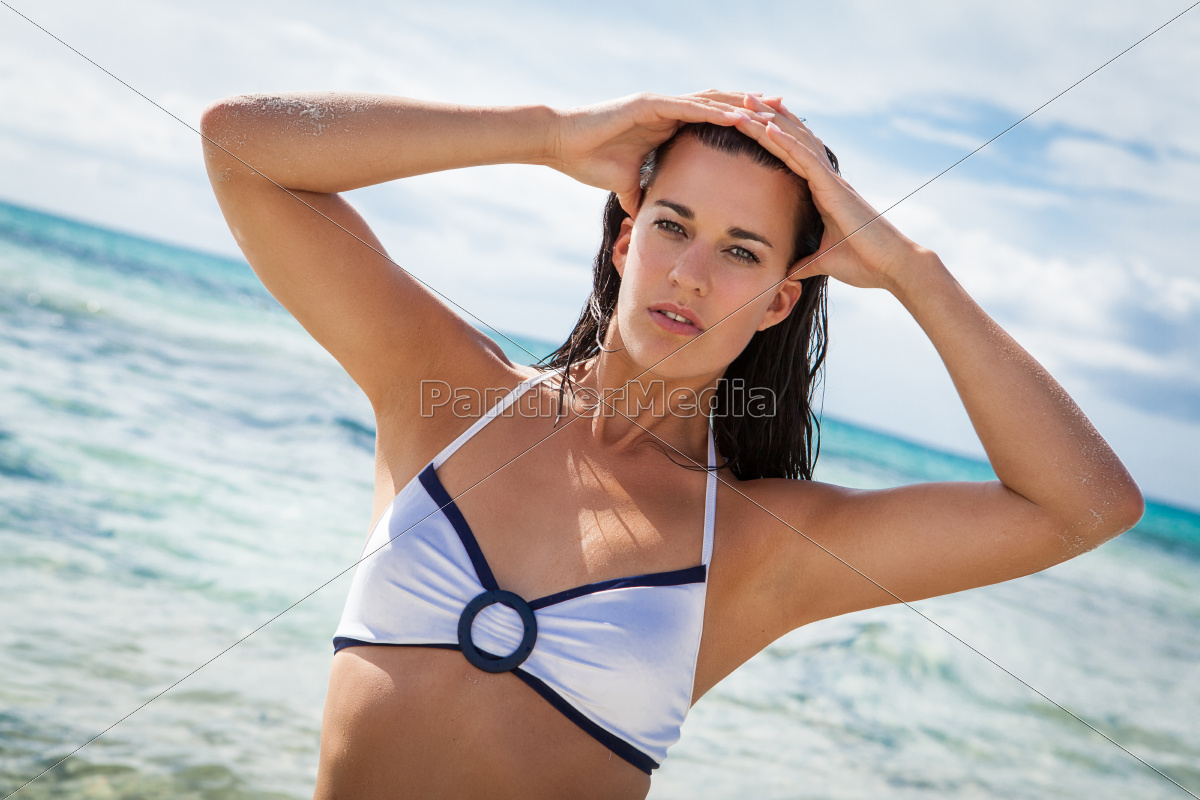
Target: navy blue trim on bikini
677, 577
342, 642
614, 743
433, 485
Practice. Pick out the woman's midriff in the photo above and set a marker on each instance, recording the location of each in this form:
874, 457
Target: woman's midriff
419, 722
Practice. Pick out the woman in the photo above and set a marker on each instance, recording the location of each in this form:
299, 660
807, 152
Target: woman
623, 552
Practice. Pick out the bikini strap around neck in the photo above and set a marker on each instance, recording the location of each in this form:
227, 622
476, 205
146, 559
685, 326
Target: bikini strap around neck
495, 411
710, 500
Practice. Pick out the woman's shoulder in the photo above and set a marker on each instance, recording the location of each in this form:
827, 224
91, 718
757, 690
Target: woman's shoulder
767, 525
424, 409
765, 505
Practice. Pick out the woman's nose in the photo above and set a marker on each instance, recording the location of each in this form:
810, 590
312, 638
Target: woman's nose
690, 270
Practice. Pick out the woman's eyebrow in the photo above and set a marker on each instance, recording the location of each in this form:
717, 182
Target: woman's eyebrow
742, 233
678, 208
735, 232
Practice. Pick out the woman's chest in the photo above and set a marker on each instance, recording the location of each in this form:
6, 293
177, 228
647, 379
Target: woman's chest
558, 516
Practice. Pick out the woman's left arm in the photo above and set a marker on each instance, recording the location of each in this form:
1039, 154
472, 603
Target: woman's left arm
1062, 490
1040, 445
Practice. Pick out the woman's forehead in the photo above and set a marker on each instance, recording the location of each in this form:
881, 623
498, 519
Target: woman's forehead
725, 189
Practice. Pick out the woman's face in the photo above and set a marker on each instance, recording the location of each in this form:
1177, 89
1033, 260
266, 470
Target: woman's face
711, 243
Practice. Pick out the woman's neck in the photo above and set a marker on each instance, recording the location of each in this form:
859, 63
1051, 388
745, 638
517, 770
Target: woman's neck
630, 404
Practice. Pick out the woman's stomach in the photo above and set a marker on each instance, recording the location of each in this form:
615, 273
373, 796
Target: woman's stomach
422, 722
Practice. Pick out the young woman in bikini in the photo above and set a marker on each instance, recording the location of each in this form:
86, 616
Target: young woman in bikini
563, 560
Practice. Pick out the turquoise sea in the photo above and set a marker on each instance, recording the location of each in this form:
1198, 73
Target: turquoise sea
180, 463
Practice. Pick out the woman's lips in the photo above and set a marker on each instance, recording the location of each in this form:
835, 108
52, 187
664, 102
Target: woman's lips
674, 322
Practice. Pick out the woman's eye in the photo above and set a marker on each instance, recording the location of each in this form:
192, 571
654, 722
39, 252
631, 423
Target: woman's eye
669, 225
743, 254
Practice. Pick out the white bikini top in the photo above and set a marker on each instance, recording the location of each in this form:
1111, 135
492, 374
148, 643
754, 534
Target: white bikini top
617, 657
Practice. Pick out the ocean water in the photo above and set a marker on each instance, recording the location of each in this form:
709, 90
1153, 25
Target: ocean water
180, 464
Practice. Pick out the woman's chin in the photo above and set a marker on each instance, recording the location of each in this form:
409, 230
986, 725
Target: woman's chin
653, 357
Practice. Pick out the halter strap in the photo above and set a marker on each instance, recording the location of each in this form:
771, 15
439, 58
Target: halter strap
495, 411
710, 500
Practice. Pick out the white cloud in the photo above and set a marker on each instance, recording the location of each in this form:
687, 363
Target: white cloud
1089, 298
921, 129
1090, 164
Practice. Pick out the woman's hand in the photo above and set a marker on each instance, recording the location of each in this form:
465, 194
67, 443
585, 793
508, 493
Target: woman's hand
859, 247
603, 145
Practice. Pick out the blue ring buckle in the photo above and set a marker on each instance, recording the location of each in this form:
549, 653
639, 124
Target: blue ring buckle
486, 661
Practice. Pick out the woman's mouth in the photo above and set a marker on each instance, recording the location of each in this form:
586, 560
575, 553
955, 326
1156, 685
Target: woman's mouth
675, 321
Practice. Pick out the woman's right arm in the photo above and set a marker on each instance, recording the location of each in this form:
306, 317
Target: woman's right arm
329, 142
386, 329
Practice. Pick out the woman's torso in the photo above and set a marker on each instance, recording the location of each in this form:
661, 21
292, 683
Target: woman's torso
563, 515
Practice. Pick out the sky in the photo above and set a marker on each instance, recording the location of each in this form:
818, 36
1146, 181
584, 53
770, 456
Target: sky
1076, 231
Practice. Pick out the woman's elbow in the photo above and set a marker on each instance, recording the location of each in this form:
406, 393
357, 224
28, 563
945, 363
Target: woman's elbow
225, 126
1127, 508
215, 117
221, 115
1104, 516
1115, 511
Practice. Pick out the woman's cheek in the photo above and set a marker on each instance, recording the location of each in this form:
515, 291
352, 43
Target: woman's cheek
656, 259
746, 301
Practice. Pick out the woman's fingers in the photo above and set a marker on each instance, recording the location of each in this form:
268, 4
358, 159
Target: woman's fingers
789, 115
691, 108
776, 105
743, 101
736, 99
794, 125
753, 101
790, 123
807, 267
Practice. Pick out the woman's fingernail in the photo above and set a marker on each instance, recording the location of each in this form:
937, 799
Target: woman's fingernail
771, 126
766, 114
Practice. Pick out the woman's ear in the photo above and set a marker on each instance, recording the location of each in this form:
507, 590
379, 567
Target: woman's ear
620, 250
787, 294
